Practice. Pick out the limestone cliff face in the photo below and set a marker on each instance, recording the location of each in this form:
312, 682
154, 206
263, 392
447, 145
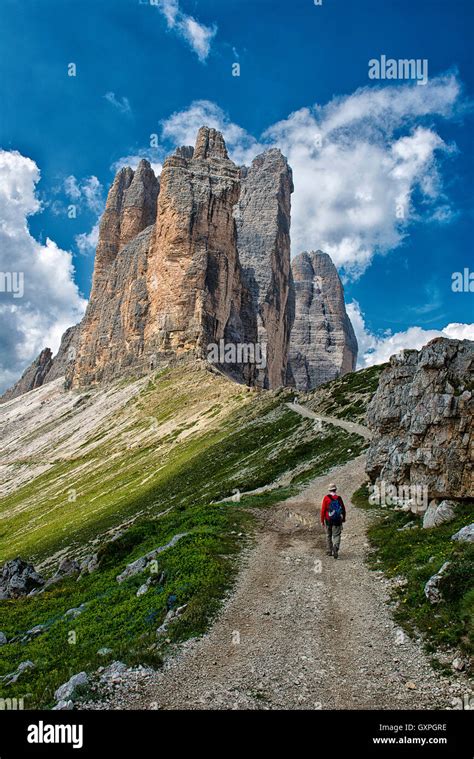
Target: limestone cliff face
199, 261
422, 421
32, 377
111, 342
193, 269
175, 287
45, 367
130, 208
66, 354
323, 345
263, 239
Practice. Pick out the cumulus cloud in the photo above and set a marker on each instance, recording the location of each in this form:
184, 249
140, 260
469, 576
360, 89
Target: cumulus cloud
121, 104
198, 36
358, 163
376, 349
51, 301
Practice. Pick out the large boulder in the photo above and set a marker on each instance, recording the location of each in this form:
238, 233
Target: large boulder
432, 589
465, 534
71, 689
18, 578
439, 513
421, 417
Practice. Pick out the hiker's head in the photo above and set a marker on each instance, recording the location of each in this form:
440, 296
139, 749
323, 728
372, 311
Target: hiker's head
332, 487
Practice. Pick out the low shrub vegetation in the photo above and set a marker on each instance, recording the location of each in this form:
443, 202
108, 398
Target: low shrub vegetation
416, 554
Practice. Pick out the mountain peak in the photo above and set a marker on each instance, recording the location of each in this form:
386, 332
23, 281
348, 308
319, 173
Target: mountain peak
210, 144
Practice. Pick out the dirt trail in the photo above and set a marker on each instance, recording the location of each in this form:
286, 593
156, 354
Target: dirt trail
358, 429
300, 630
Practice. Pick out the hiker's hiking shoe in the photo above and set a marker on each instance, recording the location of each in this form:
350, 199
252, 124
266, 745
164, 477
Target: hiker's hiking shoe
335, 551
328, 553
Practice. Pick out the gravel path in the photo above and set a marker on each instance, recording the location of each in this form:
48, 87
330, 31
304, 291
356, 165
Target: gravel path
358, 429
300, 630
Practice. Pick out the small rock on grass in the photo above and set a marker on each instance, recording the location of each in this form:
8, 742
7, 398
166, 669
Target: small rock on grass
63, 706
12, 677
68, 691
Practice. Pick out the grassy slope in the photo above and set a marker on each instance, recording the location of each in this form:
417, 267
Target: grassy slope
169, 482
415, 555
346, 397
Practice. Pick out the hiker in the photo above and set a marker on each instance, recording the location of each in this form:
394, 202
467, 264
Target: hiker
333, 514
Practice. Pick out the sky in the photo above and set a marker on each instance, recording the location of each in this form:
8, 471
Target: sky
382, 154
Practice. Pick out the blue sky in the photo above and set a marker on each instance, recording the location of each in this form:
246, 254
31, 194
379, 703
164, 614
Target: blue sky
164, 70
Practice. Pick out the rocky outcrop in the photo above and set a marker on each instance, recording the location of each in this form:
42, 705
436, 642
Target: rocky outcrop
432, 588
130, 208
18, 578
13, 677
112, 342
421, 417
32, 377
67, 568
139, 565
46, 368
73, 687
323, 345
263, 240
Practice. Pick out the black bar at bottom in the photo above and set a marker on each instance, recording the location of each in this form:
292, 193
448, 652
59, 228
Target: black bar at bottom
380, 733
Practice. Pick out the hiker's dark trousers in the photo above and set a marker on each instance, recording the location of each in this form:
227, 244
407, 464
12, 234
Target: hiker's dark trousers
333, 535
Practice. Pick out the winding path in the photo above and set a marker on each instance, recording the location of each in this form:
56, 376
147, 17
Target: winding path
358, 429
300, 630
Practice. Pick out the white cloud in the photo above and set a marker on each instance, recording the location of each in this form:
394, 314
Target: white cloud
51, 300
182, 126
122, 105
375, 349
151, 154
87, 241
87, 192
459, 331
358, 163
198, 36
71, 188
